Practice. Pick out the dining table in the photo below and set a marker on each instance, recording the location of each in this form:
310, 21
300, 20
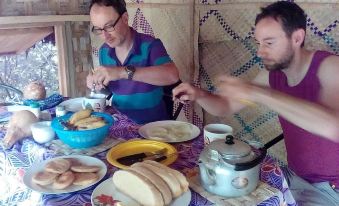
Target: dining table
14, 162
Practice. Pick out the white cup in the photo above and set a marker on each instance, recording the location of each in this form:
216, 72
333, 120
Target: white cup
96, 102
42, 132
216, 131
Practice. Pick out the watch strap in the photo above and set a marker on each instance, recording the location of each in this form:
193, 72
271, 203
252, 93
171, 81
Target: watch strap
130, 71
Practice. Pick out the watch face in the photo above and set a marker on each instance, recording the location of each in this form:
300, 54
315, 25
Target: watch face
131, 68
130, 71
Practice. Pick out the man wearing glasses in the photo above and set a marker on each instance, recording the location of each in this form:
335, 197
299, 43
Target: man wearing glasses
133, 66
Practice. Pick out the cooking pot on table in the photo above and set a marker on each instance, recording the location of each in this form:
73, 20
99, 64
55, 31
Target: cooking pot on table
231, 168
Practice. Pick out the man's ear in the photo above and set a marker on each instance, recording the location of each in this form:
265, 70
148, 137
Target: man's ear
298, 37
125, 18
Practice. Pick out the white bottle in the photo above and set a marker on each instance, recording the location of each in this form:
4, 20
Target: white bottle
35, 109
60, 111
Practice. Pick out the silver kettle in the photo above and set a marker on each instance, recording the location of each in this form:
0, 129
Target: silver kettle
230, 168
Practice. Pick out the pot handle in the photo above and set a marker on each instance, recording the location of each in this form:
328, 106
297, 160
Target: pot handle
263, 151
253, 163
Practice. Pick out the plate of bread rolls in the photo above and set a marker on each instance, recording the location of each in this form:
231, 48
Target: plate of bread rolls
170, 131
144, 183
64, 174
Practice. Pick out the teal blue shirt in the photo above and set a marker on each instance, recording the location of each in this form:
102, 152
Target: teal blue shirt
140, 101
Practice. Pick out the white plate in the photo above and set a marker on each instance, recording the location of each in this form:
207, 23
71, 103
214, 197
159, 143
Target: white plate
172, 127
73, 105
107, 188
48, 189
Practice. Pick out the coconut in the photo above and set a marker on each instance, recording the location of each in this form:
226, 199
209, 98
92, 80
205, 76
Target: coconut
35, 91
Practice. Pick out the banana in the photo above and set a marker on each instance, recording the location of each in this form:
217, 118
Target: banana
82, 114
92, 125
88, 120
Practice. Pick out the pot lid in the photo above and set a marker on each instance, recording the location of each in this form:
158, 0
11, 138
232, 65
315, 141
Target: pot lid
231, 148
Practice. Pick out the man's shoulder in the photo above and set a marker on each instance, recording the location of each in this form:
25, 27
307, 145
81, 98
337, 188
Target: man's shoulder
146, 37
104, 50
330, 60
105, 47
329, 66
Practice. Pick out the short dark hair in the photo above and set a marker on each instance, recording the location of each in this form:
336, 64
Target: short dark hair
291, 16
118, 5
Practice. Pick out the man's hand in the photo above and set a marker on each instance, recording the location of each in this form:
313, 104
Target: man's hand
235, 89
186, 92
103, 75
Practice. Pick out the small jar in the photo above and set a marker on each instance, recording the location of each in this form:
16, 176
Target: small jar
60, 111
35, 109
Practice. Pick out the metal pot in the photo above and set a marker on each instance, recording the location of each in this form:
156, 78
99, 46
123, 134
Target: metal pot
230, 168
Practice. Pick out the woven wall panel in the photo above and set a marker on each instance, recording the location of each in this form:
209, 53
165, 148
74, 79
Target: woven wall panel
218, 2
163, 2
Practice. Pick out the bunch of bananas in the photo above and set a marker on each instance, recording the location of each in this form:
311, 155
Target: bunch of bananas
83, 120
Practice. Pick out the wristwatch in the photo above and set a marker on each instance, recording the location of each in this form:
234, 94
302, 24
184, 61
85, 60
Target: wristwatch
130, 71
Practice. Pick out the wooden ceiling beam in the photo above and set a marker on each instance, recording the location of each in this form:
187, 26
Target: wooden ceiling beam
19, 40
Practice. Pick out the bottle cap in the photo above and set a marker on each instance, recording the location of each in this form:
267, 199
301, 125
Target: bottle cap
60, 107
34, 105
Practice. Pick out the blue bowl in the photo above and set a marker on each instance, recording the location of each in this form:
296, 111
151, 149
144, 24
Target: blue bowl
82, 138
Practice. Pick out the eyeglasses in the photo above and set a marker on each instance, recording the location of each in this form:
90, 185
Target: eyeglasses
107, 28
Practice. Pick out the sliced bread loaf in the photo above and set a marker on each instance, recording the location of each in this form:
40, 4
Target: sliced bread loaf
169, 178
137, 187
180, 177
159, 183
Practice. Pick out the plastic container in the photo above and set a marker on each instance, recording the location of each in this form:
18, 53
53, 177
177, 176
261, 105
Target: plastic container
82, 138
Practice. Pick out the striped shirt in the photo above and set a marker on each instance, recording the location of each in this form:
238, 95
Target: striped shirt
140, 101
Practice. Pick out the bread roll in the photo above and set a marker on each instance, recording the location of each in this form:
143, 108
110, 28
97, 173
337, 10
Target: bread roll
58, 166
137, 187
85, 168
180, 177
74, 161
64, 180
85, 178
44, 178
159, 183
168, 177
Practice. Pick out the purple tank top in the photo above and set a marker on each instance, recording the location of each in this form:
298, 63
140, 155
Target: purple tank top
310, 156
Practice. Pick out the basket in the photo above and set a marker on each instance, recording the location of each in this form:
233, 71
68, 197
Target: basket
82, 138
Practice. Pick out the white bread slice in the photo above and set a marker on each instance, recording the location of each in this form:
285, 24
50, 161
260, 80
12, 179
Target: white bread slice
85, 168
137, 187
180, 177
85, 178
169, 178
58, 166
159, 183
44, 178
64, 180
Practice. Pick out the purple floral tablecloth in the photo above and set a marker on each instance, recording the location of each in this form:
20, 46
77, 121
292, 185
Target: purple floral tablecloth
15, 161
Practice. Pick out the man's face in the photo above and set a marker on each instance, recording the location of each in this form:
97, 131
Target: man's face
274, 47
105, 17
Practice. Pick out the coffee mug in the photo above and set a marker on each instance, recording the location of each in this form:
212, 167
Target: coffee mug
96, 102
216, 131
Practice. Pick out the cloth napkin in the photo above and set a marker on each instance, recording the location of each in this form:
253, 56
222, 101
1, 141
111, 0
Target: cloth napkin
262, 195
60, 148
46, 103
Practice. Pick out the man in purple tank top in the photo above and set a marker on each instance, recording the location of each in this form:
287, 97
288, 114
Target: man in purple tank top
302, 87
